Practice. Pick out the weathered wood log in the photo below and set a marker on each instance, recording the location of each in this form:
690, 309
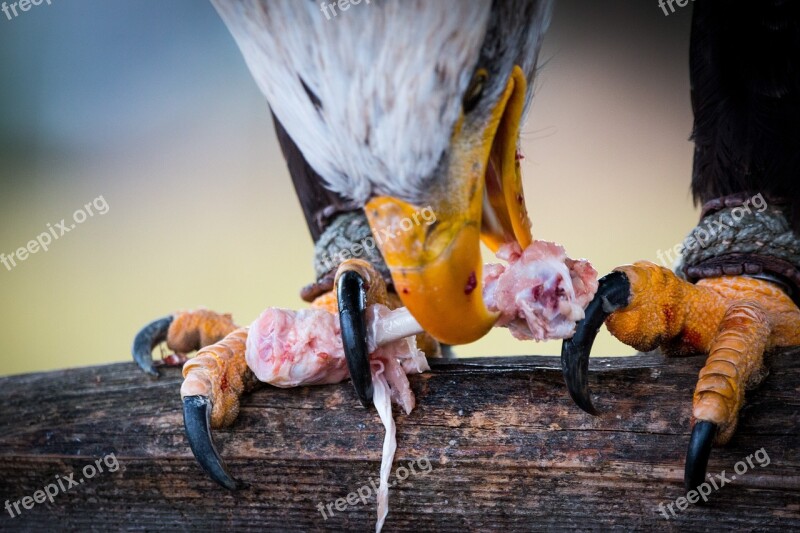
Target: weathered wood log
507, 450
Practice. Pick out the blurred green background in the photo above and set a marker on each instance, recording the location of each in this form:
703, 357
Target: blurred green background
149, 104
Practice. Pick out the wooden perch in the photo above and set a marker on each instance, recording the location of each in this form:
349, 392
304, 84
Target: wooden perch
507, 449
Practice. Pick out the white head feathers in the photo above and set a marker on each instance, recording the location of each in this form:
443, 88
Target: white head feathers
385, 106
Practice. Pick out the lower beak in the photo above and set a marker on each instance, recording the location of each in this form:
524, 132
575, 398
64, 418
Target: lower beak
436, 262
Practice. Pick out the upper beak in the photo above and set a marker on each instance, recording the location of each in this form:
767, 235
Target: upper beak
437, 267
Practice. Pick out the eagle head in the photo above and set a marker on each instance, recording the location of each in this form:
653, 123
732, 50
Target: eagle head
405, 105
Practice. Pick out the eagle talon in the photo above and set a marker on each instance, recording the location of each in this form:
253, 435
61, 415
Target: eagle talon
184, 332
733, 319
697, 455
613, 293
214, 383
197, 423
148, 338
351, 296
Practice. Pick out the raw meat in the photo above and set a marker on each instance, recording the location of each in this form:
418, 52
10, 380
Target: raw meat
289, 348
542, 293
292, 348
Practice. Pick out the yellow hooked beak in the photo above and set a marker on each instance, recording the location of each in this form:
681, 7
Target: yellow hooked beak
435, 258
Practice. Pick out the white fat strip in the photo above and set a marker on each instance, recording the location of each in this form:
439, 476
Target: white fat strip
382, 399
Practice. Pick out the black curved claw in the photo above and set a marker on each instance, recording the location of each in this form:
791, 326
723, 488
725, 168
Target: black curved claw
197, 423
147, 339
613, 293
352, 297
699, 451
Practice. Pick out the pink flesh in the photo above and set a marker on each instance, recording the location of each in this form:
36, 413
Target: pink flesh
542, 293
289, 348
292, 348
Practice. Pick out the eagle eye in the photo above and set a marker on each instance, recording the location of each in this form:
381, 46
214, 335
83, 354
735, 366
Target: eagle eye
475, 89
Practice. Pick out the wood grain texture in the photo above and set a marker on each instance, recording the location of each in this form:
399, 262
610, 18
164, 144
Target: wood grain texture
508, 451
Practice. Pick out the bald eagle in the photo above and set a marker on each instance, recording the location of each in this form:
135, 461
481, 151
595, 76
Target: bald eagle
393, 106
397, 105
